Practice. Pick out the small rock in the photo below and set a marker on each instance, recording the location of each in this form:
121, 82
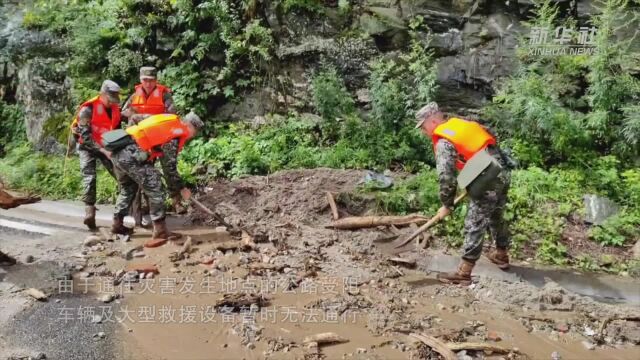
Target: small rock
555, 356
589, 331
92, 240
562, 327
287, 270
493, 336
96, 319
174, 270
84, 275
29, 259
58, 301
107, 298
37, 294
224, 346
440, 307
149, 275
588, 345
361, 350
251, 346
139, 254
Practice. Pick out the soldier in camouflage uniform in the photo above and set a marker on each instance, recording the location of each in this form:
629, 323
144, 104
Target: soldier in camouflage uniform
484, 213
135, 170
151, 98
95, 117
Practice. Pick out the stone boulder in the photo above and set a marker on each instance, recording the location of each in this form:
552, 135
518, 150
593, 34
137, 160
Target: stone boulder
598, 209
44, 91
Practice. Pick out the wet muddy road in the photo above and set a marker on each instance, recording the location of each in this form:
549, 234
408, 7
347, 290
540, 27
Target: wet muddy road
344, 285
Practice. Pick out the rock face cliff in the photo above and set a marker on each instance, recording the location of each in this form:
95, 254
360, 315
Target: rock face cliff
474, 40
33, 74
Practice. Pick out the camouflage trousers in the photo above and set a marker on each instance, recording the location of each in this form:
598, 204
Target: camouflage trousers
88, 163
486, 213
134, 171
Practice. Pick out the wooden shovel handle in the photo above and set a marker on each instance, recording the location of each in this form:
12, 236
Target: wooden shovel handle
434, 220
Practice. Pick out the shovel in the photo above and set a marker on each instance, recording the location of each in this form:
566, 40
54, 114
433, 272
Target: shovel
434, 220
215, 215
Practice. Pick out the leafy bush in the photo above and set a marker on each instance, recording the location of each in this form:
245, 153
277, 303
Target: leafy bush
617, 230
51, 176
332, 100
13, 130
545, 101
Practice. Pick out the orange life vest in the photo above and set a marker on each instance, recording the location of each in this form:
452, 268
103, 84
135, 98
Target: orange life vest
152, 104
157, 130
468, 137
100, 121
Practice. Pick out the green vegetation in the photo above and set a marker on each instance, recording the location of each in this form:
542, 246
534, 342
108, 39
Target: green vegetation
13, 130
572, 122
208, 50
41, 174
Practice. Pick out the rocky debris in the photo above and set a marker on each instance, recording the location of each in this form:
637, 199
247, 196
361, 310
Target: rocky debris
34, 356
107, 298
29, 259
588, 345
597, 209
239, 301
37, 294
92, 240
99, 336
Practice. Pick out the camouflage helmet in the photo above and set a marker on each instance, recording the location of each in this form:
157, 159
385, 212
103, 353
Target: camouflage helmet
148, 72
426, 111
194, 120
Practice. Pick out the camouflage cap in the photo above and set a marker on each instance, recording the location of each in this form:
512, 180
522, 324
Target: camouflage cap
426, 111
148, 72
112, 90
194, 120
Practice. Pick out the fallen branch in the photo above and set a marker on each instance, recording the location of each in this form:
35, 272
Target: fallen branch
332, 204
360, 222
325, 338
437, 345
479, 347
402, 261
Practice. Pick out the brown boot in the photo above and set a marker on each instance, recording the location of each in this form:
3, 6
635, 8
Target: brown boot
160, 231
176, 201
461, 277
6, 259
500, 257
118, 226
90, 217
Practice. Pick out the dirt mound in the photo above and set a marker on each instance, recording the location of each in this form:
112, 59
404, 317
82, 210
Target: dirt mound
287, 199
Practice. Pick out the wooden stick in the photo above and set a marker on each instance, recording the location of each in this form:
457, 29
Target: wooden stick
324, 338
478, 347
332, 204
430, 223
215, 215
360, 222
437, 345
